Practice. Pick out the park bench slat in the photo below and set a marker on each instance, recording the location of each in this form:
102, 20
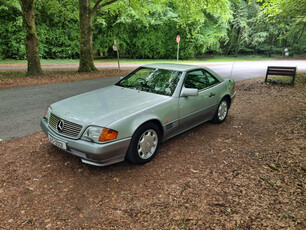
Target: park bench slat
281, 67
282, 71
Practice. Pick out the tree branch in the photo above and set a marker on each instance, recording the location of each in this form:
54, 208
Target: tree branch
98, 6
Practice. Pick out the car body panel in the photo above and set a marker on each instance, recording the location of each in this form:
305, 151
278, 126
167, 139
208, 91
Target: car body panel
126, 109
194, 109
103, 106
165, 112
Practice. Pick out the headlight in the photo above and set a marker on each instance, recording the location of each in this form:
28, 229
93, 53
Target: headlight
47, 113
99, 134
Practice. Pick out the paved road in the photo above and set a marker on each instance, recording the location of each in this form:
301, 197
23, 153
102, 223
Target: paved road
239, 70
22, 108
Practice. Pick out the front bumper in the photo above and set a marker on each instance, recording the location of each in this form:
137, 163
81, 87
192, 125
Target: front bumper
89, 152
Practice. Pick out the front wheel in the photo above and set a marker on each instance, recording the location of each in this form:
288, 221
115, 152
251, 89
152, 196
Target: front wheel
144, 144
221, 112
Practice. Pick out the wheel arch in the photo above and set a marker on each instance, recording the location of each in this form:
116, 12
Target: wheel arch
131, 154
156, 122
228, 98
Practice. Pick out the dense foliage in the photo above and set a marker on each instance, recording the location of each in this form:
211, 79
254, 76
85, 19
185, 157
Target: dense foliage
12, 33
58, 28
149, 31
154, 36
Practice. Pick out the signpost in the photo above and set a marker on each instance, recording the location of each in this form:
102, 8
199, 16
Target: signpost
115, 48
178, 39
286, 52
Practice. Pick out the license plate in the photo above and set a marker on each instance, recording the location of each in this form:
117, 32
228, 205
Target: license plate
56, 142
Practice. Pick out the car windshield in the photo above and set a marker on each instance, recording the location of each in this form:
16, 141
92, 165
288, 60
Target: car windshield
152, 80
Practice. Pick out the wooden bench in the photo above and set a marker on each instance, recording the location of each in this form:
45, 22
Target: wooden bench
282, 71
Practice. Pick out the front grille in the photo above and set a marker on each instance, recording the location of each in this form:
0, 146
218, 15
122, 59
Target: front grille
70, 129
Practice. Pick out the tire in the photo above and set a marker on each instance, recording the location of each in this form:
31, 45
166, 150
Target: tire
221, 112
144, 144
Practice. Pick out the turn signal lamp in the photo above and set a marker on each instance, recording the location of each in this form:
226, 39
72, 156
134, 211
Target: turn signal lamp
108, 135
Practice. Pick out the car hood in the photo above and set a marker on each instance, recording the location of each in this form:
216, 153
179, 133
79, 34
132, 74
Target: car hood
104, 106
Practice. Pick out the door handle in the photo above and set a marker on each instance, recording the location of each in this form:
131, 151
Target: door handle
212, 94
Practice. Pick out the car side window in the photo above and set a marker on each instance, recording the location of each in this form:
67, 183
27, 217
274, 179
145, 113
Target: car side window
199, 79
211, 79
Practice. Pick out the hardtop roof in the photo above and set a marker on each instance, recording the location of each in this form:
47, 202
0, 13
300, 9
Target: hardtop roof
182, 68
173, 66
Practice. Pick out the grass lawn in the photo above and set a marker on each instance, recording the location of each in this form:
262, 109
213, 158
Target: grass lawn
138, 61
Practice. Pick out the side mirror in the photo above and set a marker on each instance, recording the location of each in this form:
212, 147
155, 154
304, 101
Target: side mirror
188, 92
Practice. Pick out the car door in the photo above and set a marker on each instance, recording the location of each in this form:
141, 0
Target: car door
194, 110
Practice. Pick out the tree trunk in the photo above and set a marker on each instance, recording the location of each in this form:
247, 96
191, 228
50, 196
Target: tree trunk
231, 42
86, 34
271, 44
28, 13
238, 41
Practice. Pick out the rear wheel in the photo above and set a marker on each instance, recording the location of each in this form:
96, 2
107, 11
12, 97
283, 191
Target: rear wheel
221, 112
144, 144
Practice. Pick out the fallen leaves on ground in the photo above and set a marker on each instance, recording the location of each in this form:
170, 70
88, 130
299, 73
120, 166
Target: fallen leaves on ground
247, 173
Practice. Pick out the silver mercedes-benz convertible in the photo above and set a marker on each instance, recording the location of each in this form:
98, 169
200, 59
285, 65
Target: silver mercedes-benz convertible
129, 120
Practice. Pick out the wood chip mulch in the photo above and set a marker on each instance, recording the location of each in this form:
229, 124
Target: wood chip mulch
247, 173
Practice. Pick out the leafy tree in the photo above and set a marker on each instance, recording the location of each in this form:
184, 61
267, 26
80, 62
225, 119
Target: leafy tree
12, 32
289, 16
185, 13
87, 12
252, 31
28, 12
247, 30
284, 11
58, 28
147, 29
57, 25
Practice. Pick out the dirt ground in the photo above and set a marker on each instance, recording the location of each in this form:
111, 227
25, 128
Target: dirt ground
52, 77
247, 173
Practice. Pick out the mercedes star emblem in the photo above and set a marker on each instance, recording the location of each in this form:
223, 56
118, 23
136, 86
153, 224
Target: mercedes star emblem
60, 126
